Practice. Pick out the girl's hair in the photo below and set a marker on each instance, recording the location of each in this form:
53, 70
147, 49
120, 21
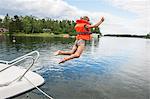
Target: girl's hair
85, 18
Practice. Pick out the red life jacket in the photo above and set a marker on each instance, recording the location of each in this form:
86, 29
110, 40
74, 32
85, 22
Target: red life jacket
83, 33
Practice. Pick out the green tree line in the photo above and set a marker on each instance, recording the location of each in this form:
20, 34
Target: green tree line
32, 24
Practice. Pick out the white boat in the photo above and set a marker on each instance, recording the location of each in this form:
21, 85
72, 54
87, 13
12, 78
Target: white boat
15, 80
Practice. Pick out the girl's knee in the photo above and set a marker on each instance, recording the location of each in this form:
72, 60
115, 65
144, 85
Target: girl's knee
77, 55
71, 52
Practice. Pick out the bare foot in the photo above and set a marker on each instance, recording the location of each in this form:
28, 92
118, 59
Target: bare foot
62, 61
57, 52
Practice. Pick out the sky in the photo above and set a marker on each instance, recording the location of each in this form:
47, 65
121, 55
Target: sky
121, 16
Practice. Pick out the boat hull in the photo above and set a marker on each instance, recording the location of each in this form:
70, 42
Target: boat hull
10, 86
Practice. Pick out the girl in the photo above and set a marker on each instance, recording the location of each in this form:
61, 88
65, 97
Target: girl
82, 28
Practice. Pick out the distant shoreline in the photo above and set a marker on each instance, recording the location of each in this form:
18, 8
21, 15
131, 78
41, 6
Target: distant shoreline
64, 35
127, 35
39, 35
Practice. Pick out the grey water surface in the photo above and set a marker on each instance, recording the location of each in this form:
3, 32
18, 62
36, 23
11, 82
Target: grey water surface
109, 68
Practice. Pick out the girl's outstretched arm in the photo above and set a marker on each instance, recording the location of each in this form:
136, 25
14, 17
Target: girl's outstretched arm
97, 24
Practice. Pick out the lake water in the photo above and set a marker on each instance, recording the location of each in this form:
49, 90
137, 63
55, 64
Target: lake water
109, 68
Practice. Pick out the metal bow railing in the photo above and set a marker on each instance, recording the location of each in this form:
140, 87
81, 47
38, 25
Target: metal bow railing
19, 59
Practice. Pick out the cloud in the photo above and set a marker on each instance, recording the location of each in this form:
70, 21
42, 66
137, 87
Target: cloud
40, 8
60, 9
136, 6
141, 8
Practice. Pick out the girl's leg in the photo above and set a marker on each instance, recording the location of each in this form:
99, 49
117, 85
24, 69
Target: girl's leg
77, 53
60, 52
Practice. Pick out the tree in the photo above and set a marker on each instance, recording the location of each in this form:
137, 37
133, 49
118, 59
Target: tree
96, 30
1, 24
6, 21
16, 24
26, 24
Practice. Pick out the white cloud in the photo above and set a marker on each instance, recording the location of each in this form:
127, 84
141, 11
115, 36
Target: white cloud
59, 9
141, 24
137, 6
42, 8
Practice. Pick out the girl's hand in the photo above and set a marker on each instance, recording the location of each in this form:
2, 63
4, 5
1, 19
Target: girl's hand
102, 19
